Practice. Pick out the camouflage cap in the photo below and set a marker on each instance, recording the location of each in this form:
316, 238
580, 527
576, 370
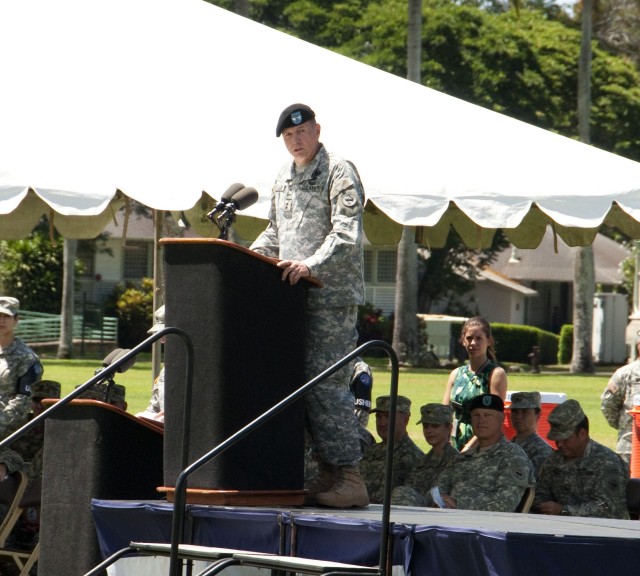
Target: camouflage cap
98, 391
488, 402
46, 389
435, 414
158, 321
564, 418
9, 305
383, 403
524, 400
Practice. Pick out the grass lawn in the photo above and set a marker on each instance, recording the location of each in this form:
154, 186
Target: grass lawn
421, 385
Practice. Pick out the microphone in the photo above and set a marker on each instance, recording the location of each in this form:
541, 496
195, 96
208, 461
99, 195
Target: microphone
109, 359
226, 198
239, 201
128, 364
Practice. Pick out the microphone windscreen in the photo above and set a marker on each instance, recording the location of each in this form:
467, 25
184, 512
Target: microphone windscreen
109, 358
235, 187
245, 198
128, 364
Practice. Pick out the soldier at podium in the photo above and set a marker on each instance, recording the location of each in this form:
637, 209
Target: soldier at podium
315, 229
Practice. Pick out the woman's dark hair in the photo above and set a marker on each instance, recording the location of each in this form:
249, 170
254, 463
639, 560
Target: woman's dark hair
484, 325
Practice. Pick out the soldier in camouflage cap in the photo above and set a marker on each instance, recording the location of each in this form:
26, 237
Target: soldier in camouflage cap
406, 454
113, 394
583, 477
30, 445
617, 400
437, 424
525, 413
20, 368
45, 389
315, 230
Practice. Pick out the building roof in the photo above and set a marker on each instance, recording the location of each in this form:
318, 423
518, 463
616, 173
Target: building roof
545, 264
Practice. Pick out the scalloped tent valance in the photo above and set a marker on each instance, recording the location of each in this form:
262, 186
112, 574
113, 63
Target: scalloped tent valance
165, 99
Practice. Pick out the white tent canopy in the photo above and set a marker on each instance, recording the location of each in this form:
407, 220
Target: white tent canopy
164, 99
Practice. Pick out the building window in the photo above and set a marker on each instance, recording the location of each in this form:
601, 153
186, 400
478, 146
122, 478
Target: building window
85, 254
136, 261
387, 266
368, 265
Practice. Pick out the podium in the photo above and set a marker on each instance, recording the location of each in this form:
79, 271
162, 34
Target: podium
247, 328
91, 450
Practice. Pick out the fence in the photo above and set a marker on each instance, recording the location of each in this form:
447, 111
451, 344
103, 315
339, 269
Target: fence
40, 328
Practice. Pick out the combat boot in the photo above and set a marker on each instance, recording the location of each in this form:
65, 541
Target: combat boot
327, 477
349, 491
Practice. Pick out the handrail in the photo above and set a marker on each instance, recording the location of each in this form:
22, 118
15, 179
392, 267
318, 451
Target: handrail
179, 502
108, 371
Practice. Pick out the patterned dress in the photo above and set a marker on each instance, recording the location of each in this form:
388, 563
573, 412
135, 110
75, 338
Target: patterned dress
466, 386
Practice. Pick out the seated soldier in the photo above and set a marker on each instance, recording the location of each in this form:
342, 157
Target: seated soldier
525, 413
494, 474
30, 445
361, 385
437, 424
583, 477
155, 409
110, 393
405, 452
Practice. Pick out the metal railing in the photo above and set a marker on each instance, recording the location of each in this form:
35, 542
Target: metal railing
40, 328
179, 502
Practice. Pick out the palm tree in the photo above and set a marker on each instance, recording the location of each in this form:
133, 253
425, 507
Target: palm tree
584, 281
405, 328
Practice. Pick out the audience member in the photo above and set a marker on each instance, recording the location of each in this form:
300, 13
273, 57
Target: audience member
495, 474
155, 409
526, 408
405, 452
617, 399
30, 445
481, 375
108, 392
583, 477
20, 368
436, 420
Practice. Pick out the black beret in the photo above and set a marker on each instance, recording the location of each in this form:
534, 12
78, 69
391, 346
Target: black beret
487, 401
294, 115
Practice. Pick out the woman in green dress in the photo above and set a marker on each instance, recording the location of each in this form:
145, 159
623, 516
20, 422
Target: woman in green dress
481, 375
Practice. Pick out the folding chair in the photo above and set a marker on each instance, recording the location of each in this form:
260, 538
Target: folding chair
527, 499
23, 498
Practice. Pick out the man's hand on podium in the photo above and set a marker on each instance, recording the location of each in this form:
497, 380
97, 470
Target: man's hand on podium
293, 270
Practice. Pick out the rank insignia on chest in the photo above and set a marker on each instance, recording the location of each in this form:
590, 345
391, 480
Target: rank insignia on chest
288, 205
349, 200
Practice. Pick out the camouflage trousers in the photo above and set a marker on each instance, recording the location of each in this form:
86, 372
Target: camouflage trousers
333, 428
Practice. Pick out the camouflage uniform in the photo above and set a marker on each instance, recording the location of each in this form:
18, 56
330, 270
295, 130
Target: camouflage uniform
406, 456
102, 391
423, 477
617, 399
593, 485
493, 479
19, 368
316, 217
31, 445
536, 449
156, 402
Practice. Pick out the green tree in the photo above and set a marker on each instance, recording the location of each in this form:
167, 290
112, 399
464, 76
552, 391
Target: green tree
31, 270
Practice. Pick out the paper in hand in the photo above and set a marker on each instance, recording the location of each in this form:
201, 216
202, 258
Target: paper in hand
435, 495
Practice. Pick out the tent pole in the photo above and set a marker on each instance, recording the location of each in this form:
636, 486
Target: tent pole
158, 299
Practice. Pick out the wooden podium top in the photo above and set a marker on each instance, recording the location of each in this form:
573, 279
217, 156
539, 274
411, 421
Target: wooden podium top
219, 242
